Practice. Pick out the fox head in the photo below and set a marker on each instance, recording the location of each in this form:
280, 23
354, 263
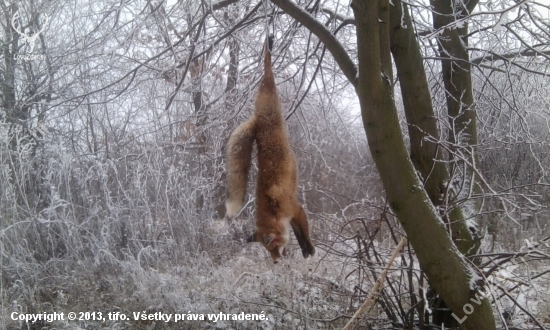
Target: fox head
273, 241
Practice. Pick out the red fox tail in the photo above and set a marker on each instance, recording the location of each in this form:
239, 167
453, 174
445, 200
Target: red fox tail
239, 157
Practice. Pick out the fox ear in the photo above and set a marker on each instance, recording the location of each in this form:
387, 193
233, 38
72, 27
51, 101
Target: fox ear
269, 239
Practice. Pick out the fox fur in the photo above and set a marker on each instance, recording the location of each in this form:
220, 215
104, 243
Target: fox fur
277, 207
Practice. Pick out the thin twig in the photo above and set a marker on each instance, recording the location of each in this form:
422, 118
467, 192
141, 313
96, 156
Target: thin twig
377, 286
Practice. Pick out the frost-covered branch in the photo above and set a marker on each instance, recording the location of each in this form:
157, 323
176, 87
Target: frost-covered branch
329, 40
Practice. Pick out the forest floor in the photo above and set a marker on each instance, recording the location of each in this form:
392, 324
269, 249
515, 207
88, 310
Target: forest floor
222, 289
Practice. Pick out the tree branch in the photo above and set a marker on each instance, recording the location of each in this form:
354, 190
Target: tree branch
498, 57
334, 15
327, 38
222, 4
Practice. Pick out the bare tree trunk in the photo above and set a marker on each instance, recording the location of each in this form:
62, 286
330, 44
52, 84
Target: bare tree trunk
230, 98
455, 65
446, 268
31, 193
457, 79
426, 154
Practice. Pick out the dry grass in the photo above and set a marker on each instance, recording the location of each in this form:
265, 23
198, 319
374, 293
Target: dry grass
84, 234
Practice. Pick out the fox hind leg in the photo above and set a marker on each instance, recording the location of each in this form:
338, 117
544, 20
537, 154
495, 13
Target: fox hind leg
301, 231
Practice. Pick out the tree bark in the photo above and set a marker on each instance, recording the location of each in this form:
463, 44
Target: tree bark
426, 154
457, 79
446, 268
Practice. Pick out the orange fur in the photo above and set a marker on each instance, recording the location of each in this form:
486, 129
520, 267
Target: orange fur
277, 207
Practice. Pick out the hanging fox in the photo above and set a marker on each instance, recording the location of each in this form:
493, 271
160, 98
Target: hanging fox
277, 207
